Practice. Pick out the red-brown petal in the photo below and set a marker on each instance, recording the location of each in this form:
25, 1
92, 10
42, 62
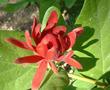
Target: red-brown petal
53, 19
36, 31
58, 29
54, 68
28, 59
51, 54
61, 58
28, 40
34, 24
50, 38
42, 49
69, 54
78, 31
17, 43
72, 38
73, 63
49, 26
39, 75
62, 43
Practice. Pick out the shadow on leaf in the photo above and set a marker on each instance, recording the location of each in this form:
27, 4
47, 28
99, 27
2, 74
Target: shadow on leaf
83, 42
86, 62
106, 77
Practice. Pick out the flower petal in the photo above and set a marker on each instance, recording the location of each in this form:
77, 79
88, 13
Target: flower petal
54, 68
72, 38
28, 40
78, 30
73, 62
34, 23
53, 19
52, 54
39, 75
69, 54
42, 49
59, 29
28, 59
36, 33
50, 38
63, 44
17, 43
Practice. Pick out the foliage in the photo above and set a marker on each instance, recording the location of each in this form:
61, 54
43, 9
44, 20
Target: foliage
91, 48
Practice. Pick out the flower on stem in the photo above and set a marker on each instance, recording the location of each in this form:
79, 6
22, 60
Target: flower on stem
50, 45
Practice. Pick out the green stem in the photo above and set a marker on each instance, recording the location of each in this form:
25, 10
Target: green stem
100, 84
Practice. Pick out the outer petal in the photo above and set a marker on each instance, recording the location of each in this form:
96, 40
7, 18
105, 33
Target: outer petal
63, 44
50, 38
70, 54
53, 19
39, 75
72, 38
78, 30
59, 29
28, 40
52, 54
67, 58
29, 59
34, 23
36, 33
18, 43
52, 65
42, 49
73, 63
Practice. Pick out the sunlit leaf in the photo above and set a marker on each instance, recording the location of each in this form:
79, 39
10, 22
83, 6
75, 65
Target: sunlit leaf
13, 76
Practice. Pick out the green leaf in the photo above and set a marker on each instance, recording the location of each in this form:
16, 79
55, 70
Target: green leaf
82, 84
44, 5
47, 14
97, 89
3, 1
55, 81
16, 6
13, 76
108, 88
69, 3
95, 16
92, 47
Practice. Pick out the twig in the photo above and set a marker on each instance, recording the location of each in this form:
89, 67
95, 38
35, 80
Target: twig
99, 84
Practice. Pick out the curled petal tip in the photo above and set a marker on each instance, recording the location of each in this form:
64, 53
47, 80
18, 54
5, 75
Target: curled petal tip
53, 19
80, 67
6, 39
34, 23
17, 61
79, 31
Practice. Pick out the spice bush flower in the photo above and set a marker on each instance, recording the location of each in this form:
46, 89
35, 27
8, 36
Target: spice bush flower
51, 45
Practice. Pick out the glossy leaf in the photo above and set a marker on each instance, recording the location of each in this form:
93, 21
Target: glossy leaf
44, 5
69, 3
92, 47
13, 76
96, 17
55, 81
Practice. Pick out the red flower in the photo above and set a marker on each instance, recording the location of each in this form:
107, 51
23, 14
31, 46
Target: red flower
49, 47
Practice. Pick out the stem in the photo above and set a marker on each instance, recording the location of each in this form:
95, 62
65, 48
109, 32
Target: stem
100, 84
